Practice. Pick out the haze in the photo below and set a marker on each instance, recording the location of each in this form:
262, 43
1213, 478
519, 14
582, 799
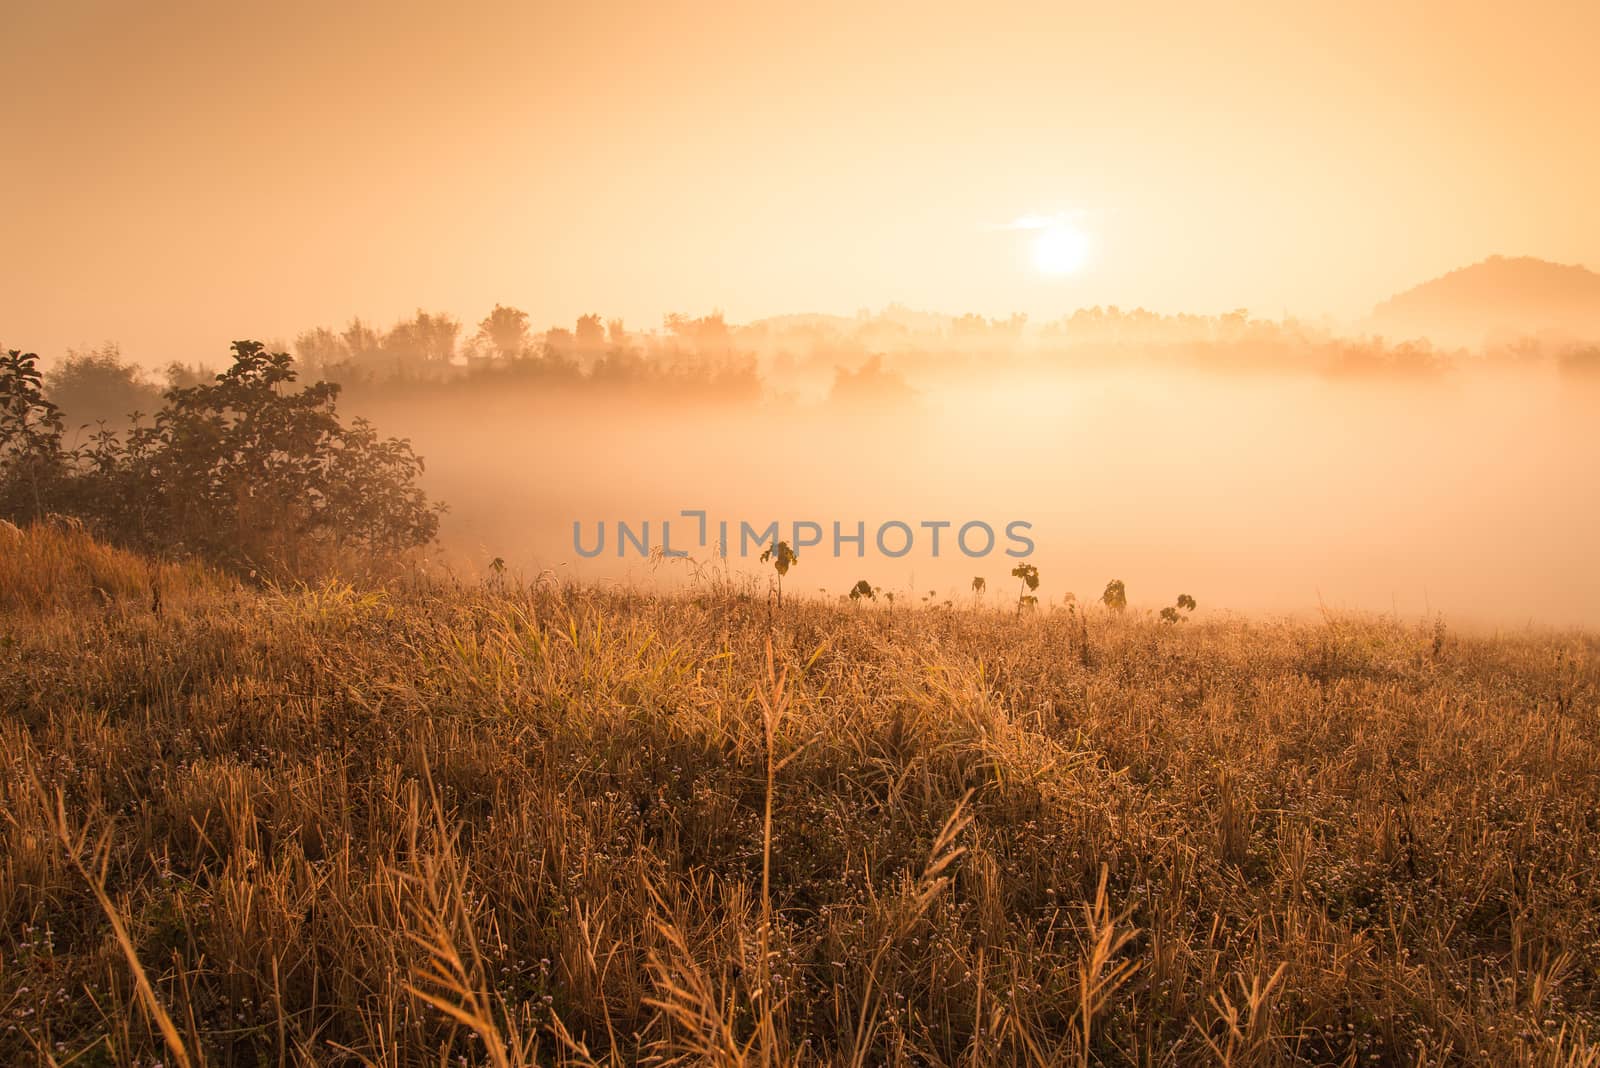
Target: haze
1470, 496
181, 176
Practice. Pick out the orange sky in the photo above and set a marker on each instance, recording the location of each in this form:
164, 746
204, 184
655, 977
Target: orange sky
177, 176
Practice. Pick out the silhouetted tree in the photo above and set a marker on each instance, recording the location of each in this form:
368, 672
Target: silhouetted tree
423, 341
871, 385
559, 344
98, 387
505, 331
1115, 596
32, 464
362, 344
319, 352
182, 375
590, 334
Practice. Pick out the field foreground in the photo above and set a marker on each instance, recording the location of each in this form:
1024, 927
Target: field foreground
427, 824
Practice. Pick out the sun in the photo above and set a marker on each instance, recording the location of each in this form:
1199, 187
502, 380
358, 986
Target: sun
1061, 249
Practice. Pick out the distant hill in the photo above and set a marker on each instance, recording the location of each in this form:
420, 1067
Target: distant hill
1499, 298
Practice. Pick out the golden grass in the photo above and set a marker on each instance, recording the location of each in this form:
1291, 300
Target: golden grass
57, 565
426, 825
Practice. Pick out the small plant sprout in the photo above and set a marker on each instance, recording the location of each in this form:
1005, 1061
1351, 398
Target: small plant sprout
1177, 613
1116, 596
782, 557
863, 589
978, 586
1030, 582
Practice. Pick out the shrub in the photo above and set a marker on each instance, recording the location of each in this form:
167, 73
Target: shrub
1115, 596
1176, 613
31, 461
243, 470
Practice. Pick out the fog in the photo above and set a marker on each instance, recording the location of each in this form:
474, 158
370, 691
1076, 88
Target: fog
1469, 494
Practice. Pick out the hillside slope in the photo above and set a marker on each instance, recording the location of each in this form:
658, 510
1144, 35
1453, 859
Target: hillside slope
1499, 297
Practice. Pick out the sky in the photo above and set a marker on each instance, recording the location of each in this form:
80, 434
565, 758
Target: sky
179, 175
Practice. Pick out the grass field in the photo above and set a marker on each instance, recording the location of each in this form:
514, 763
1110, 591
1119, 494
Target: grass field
424, 823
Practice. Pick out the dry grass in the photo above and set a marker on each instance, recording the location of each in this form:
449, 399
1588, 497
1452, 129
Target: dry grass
434, 826
58, 565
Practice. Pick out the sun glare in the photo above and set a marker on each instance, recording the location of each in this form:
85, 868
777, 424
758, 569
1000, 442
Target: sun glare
1061, 249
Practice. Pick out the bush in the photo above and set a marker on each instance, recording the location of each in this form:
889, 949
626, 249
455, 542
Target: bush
242, 470
31, 462
1115, 596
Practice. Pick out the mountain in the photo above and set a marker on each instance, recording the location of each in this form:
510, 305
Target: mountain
1500, 298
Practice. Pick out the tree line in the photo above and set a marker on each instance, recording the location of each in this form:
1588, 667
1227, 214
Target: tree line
868, 359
